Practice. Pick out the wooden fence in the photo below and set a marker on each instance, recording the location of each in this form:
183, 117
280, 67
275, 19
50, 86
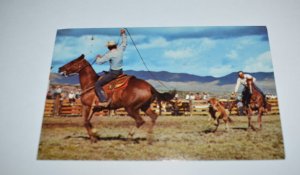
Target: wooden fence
49, 108
70, 109
274, 106
196, 108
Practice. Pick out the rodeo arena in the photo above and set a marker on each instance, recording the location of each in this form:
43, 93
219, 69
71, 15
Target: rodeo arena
185, 129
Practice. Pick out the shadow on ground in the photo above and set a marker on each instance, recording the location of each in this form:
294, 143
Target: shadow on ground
109, 138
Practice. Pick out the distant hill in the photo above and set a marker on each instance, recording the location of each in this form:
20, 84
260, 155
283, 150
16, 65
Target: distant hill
183, 81
184, 77
168, 76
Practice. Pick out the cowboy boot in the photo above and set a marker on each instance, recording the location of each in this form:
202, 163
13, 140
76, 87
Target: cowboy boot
104, 104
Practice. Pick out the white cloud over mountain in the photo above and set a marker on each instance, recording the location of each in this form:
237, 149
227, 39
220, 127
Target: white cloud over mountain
261, 63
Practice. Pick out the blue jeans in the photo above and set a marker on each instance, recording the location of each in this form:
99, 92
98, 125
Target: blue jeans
106, 78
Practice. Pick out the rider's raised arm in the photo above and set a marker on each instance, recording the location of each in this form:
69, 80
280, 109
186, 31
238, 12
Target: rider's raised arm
123, 42
102, 59
238, 82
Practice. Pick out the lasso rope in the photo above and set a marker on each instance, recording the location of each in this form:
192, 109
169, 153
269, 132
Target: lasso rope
145, 62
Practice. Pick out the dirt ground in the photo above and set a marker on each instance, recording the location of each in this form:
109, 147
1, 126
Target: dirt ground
180, 138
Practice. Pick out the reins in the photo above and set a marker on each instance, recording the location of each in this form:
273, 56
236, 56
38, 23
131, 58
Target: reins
88, 89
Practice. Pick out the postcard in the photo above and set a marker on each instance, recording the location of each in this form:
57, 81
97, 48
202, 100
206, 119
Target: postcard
162, 93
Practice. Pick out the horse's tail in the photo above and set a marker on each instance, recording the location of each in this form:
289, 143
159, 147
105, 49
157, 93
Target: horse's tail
166, 96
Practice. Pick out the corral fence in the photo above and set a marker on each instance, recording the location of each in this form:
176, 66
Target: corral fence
65, 108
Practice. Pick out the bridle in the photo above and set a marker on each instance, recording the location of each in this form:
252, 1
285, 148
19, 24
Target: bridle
80, 66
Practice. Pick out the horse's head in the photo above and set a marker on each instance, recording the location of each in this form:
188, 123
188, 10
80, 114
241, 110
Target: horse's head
74, 66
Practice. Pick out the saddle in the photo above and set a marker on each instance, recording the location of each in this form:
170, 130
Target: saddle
121, 82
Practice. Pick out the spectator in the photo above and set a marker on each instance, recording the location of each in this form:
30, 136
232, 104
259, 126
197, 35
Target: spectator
169, 107
177, 103
71, 97
205, 96
198, 96
192, 96
187, 97
77, 94
163, 106
232, 96
57, 91
63, 96
49, 94
57, 103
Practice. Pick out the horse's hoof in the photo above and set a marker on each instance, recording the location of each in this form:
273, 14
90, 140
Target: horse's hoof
228, 130
216, 123
130, 135
93, 140
140, 123
251, 128
150, 141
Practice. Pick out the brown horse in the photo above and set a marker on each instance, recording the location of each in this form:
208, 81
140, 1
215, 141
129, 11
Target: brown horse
257, 103
137, 95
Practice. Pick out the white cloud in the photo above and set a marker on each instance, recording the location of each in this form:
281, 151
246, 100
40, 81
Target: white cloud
246, 41
188, 48
262, 63
180, 53
232, 54
69, 48
201, 45
154, 43
207, 44
220, 70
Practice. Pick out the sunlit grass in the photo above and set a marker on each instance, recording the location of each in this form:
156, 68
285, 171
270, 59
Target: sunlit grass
174, 138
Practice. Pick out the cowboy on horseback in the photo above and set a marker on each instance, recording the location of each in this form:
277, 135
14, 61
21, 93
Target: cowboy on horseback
115, 58
248, 82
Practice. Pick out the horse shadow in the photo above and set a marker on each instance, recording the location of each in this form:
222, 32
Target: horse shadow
207, 131
240, 128
110, 138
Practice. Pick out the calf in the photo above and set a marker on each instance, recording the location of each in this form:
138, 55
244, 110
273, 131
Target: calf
217, 112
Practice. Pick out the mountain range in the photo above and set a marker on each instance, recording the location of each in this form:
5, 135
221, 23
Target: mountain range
184, 81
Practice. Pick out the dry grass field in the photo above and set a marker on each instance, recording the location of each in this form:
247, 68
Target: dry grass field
181, 138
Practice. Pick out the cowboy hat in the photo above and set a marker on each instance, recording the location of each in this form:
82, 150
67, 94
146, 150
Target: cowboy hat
111, 43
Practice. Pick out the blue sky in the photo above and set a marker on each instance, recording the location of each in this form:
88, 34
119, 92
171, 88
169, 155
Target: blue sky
215, 51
